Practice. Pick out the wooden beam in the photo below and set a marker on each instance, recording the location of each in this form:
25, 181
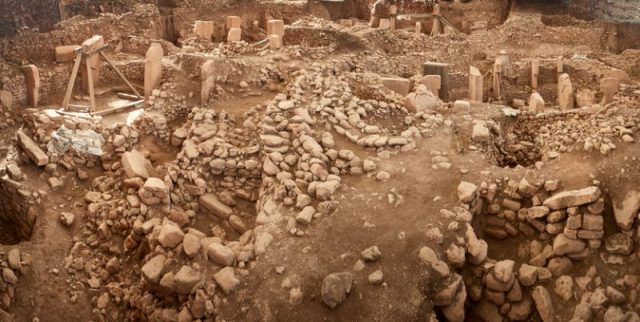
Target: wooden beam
119, 108
97, 50
128, 96
119, 73
72, 80
92, 95
448, 24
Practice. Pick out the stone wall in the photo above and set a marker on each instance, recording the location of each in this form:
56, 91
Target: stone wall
20, 14
19, 207
628, 36
38, 48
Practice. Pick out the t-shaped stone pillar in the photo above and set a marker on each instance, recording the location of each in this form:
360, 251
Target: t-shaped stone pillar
432, 68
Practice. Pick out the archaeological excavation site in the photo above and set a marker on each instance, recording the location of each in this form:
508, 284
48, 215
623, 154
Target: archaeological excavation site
320, 160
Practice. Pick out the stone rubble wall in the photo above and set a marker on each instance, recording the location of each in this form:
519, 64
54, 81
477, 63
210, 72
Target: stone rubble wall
19, 207
38, 48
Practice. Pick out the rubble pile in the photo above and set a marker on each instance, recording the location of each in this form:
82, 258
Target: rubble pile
558, 132
14, 264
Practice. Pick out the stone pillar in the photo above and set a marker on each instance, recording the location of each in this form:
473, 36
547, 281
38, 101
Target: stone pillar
203, 29
66, 53
208, 80
219, 32
6, 98
609, 87
536, 103
497, 80
560, 66
88, 45
384, 24
234, 22
418, 28
475, 85
152, 68
374, 22
535, 72
234, 35
275, 41
393, 12
435, 30
433, 68
565, 92
32, 78
275, 27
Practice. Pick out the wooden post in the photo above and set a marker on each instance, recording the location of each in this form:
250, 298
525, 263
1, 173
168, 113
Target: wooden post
72, 80
92, 94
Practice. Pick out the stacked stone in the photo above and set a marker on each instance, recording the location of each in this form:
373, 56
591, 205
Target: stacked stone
12, 265
452, 294
565, 131
154, 192
19, 207
225, 158
154, 124
119, 139
503, 289
167, 103
573, 219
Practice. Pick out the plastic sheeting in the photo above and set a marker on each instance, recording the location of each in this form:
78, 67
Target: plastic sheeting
81, 141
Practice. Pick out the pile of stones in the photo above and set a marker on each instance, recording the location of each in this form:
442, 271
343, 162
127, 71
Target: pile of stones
575, 130
166, 102
13, 264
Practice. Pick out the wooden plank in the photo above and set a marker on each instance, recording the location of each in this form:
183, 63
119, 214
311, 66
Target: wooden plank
119, 108
92, 95
97, 50
119, 73
128, 96
448, 24
72, 80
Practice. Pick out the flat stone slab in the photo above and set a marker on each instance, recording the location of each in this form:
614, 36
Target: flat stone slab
626, 209
135, 164
573, 198
213, 204
35, 153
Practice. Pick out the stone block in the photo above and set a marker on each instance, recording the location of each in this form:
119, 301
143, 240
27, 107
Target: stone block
234, 22
433, 83
276, 27
66, 53
203, 29
475, 85
384, 24
275, 41
234, 35
396, 84
432, 68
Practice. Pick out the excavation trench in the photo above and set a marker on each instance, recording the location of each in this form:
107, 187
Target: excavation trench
516, 228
